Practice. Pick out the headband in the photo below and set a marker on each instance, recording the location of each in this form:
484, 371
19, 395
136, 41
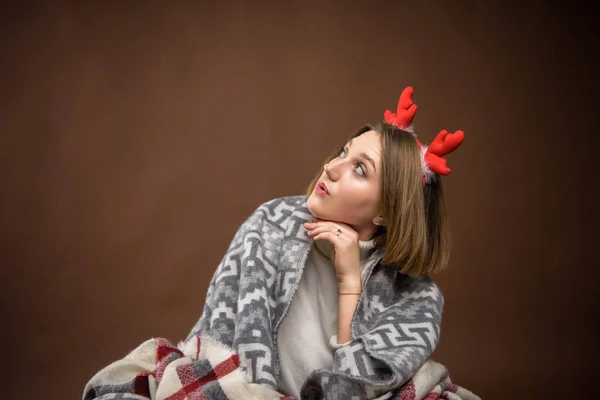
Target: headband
431, 156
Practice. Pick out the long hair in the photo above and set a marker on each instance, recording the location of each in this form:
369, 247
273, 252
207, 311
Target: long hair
416, 236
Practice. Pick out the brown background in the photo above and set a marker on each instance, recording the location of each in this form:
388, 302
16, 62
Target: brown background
136, 138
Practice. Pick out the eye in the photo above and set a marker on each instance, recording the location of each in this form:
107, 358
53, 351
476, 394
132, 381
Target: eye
358, 168
361, 168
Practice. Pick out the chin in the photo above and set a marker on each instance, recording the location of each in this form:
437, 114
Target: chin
311, 205
318, 210
315, 207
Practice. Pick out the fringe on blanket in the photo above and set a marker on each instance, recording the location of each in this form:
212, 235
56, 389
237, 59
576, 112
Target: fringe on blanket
202, 368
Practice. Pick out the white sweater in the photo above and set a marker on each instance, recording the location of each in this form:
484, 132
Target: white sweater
307, 336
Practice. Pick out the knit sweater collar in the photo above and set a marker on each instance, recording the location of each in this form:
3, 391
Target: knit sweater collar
365, 247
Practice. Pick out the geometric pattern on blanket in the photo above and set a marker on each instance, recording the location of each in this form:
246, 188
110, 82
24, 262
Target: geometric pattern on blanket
251, 289
198, 369
202, 368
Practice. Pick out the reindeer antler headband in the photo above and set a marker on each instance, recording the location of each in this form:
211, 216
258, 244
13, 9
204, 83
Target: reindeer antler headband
431, 156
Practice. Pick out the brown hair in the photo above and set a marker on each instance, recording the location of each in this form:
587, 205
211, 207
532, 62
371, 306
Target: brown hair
416, 236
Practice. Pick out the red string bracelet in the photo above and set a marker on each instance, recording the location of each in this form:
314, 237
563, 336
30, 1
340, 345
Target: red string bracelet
341, 294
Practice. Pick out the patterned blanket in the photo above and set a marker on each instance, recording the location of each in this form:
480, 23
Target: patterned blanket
201, 368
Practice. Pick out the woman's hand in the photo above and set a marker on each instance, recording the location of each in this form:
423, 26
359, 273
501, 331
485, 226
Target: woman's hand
346, 251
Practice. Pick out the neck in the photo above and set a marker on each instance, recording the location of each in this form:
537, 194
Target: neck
326, 249
367, 232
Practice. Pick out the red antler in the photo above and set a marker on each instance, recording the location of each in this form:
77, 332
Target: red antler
444, 143
405, 112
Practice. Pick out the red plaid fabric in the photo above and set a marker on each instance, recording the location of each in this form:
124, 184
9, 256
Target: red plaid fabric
203, 369
177, 375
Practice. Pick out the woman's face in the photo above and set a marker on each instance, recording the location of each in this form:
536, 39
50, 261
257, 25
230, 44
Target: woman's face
350, 187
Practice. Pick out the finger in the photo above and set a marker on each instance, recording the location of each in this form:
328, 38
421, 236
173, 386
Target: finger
320, 223
320, 228
324, 228
313, 225
347, 231
326, 221
330, 237
328, 225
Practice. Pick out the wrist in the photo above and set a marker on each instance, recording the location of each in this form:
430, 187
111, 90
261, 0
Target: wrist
350, 286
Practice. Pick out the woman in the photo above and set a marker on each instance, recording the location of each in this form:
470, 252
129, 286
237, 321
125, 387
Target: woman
328, 295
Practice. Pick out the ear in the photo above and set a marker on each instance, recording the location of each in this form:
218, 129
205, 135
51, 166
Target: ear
379, 221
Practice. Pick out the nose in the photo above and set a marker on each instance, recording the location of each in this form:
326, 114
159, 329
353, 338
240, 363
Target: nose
332, 170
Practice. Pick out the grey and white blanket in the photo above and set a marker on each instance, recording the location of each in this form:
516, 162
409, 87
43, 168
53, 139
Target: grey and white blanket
203, 369
395, 328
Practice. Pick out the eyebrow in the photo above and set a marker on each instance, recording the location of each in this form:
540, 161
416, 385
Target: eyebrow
364, 155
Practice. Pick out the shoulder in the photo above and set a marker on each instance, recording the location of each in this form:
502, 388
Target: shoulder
285, 202
280, 203
402, 285
402, 300
420, 284
395, 288
421, 291
282, 207
277, 211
